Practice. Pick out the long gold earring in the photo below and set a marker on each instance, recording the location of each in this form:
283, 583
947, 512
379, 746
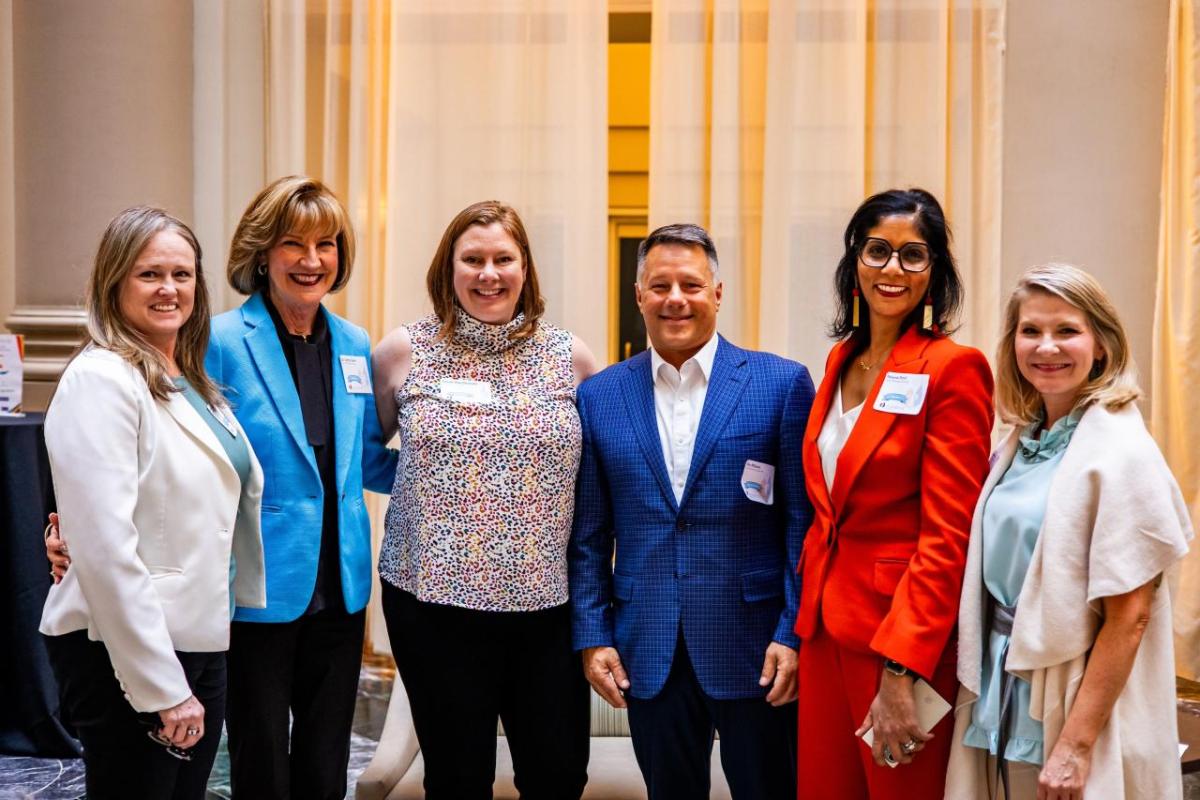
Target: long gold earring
927, 323
854, 310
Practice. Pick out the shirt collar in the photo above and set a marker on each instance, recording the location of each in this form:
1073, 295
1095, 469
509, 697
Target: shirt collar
703, 358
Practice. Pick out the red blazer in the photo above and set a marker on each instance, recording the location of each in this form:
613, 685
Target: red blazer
882, 566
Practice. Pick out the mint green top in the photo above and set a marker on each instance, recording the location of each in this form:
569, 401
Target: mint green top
234, 445
1012, 521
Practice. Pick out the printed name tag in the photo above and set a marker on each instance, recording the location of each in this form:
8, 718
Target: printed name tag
465, 391
758, 482
354, 373
223, 415
902, 393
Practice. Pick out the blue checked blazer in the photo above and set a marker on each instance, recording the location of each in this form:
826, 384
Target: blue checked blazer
246, 359
717, 565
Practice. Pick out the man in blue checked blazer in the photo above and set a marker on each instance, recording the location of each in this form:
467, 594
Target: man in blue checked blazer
691, 472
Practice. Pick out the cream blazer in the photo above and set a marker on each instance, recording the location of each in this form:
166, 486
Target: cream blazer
1115, 519
151, 508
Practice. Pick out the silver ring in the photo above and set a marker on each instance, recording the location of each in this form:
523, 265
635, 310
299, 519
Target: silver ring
193, 731
909, 746
888, 758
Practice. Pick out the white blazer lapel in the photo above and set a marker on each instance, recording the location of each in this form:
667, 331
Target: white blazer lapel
189, 419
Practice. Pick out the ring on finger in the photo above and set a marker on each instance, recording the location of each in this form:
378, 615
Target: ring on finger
909, 747
193, 731
888, 758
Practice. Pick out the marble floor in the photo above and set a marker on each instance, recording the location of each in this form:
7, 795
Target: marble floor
62, 779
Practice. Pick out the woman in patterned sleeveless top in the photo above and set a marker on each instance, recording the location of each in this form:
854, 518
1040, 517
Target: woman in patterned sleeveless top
473, 564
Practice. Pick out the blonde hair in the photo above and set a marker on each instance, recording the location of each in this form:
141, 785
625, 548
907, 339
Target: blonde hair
1113, 378
123, 241
439, 280
295, 204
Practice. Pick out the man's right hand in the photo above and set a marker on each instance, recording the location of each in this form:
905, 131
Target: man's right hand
602, 667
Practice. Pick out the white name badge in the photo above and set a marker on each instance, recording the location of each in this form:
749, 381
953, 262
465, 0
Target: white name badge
902, 393
354, 373
758, 482
224, 416
457, 390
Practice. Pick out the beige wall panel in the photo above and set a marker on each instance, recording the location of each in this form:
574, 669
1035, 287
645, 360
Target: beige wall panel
1083, 113
8, 266
103, 120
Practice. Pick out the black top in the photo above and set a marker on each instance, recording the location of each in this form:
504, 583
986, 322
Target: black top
310, 360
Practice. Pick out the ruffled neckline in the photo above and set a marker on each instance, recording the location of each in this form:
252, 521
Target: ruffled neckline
1035, 448
482, 337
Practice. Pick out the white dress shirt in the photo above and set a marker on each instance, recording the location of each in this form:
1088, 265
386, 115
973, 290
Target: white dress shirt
835, 431
678, 402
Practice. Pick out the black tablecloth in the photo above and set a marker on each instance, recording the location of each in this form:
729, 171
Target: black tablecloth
29, 724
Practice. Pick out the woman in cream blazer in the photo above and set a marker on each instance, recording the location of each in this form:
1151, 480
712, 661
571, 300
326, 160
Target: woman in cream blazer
157, 489
1065, 652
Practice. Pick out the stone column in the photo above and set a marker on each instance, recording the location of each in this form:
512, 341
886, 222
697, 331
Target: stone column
101, 120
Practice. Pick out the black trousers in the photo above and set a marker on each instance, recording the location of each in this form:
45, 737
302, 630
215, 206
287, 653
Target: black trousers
121, 761
465, 669
309, 668
673, 739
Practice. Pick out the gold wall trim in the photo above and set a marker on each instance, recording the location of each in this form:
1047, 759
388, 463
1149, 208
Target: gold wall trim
51, 335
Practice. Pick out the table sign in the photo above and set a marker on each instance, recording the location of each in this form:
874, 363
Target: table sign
12, 373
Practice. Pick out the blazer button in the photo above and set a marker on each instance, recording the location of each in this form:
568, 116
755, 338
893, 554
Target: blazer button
680, 525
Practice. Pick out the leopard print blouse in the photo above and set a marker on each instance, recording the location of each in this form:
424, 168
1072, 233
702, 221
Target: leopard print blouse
483, 500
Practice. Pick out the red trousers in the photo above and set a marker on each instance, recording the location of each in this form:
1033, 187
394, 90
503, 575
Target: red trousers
836, 689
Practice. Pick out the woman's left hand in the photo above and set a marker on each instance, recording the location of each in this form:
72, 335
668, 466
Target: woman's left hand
1065, 773
893, 715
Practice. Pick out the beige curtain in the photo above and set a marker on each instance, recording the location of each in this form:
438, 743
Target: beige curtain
1175, 410
413, 109
772, 119
707, 95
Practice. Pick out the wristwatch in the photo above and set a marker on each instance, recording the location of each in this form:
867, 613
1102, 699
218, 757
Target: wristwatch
896, 668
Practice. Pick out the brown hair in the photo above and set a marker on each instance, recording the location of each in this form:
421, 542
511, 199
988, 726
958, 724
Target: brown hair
440, 278
123, 241
1113, 379
293, 204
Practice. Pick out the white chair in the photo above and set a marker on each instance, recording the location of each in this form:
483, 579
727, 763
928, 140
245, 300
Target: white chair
397, 770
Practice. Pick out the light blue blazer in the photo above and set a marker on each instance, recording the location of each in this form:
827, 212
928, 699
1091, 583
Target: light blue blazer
246, 359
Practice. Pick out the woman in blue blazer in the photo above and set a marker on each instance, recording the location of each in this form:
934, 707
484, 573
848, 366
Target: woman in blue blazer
299, 381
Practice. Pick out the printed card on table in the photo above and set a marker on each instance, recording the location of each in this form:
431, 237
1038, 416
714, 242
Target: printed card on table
12, 373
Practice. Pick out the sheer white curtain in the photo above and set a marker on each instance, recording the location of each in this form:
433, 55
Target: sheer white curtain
844, 98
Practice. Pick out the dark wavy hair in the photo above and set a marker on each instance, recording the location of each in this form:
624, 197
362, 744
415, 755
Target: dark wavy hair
945, 285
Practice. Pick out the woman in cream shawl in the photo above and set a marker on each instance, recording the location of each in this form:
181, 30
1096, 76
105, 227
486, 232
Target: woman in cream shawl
1084, 663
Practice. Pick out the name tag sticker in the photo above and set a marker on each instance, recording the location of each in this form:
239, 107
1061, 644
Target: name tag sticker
458, 390
902, 393
758, 482
223, 415
354, 373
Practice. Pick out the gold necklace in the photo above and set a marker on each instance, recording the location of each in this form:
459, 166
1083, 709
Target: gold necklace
865, 367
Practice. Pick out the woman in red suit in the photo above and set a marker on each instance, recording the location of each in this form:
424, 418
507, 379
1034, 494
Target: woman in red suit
894, 457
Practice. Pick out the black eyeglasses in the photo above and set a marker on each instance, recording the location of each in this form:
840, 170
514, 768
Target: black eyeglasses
155, 733
913, 256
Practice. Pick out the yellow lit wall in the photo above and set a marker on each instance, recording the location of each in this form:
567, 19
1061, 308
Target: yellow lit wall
628, 128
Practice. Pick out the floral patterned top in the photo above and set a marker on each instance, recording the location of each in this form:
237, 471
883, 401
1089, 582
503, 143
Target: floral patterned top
485, 487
